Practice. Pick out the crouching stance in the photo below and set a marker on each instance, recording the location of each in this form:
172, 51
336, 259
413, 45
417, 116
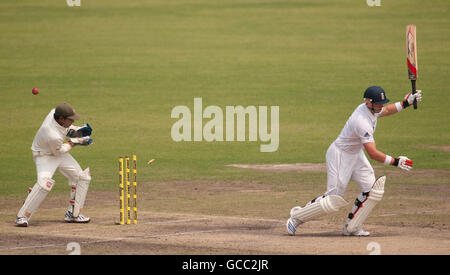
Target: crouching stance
346, 160
50, 153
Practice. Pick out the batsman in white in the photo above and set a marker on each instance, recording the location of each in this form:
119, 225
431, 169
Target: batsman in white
345, 160
51, 153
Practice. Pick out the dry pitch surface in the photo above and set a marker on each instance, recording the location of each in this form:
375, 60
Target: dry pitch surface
188, 232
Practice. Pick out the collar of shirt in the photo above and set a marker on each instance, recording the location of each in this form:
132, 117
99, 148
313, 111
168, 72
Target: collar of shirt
58, 127
372, 116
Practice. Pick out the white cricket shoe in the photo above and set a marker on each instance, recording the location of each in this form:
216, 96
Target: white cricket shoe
292, 224
22, 221
359, 232
68, 217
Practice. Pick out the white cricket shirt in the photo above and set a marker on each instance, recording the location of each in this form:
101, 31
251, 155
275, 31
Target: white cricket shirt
358, 129
49, 139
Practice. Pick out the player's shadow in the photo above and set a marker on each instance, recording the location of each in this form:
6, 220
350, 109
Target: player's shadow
338, 234
321, 234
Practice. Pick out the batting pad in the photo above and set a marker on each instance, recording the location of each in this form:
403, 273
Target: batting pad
375, 195
329, 204
81, 191
33, 201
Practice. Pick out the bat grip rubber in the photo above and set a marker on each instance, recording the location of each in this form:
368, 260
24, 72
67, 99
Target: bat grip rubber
413, 85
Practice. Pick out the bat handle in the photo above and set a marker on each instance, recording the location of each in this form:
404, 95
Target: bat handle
413, 84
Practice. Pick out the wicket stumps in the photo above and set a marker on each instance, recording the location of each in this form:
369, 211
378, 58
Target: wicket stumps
125, 191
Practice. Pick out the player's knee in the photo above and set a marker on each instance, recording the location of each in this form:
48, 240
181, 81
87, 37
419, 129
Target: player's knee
335, 191
45, 181
85, 176
366, 185
79, 176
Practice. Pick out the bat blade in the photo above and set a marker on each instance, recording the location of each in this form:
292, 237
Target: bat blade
411, 51
411, 57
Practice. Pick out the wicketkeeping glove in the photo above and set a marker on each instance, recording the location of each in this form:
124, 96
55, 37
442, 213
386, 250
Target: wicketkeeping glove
409, 98
84, 131
81, 141
403, 163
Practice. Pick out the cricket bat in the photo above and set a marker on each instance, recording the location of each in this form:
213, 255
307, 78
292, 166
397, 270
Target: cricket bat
411, 57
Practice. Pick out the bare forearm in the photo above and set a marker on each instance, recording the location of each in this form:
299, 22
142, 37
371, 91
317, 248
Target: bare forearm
398, 106
378, 156
401, 162
390, 109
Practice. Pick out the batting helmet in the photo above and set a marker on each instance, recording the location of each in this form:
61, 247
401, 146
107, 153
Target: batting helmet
376, 95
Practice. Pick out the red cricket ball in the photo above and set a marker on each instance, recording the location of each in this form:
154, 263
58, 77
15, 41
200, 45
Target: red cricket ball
35, 91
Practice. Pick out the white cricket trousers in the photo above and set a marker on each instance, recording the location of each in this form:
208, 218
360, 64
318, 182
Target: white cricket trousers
343, 166
47, 165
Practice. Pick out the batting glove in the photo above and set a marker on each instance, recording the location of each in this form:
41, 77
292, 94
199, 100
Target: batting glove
403, 163
409, 98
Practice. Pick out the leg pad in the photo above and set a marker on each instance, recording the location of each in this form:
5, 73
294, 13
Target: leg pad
326, 205
375, 195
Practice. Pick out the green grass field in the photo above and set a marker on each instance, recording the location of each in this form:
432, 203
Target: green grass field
124, 65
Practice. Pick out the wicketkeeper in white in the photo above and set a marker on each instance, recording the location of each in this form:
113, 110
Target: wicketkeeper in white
346, 160
51, 153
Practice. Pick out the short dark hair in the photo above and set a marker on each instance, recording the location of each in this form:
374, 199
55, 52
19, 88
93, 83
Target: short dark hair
56, 116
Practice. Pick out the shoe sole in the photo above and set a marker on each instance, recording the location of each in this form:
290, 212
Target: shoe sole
77, 221
70, 219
